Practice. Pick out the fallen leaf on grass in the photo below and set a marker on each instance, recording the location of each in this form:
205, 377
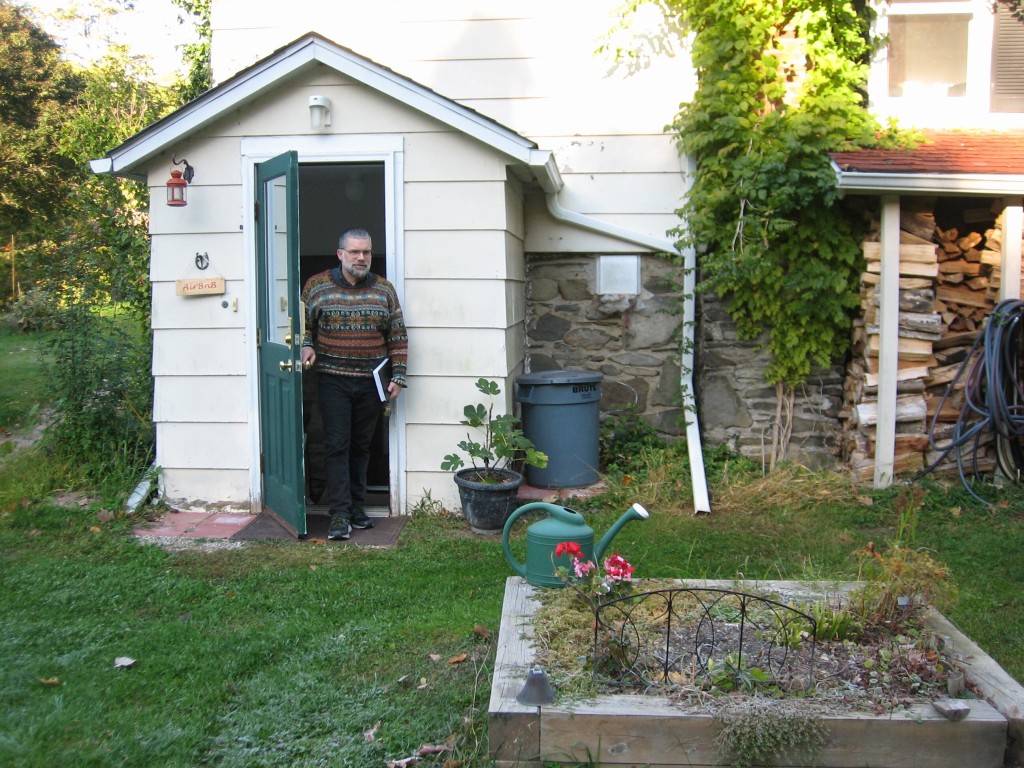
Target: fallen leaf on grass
95, 529
50, 681
458, 659
405, 762
371, 734
124, 662
312, 567
431, 749
435, 657
481, 630
33, 533
955, 511
105, 515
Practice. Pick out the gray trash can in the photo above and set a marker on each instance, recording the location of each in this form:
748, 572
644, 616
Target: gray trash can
560, 416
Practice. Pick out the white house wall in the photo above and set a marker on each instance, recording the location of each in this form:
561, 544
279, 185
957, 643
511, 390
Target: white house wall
530, 66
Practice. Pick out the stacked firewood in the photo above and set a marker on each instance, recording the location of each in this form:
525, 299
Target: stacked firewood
948, 286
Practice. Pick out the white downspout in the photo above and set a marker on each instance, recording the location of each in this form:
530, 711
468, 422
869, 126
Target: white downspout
698, 479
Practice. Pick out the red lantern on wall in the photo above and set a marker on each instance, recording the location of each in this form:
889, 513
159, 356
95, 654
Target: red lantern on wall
178, 184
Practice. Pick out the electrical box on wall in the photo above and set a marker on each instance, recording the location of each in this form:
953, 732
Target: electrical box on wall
618, 274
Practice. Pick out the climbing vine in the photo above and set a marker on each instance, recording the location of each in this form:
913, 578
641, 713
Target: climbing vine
779, 85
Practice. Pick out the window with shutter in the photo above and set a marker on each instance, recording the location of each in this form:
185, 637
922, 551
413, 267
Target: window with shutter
1007, 63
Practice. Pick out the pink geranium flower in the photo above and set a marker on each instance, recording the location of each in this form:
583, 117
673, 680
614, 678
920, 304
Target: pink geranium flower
617, 568
588, 579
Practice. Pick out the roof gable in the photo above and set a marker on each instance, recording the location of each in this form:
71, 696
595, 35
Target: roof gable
263, 76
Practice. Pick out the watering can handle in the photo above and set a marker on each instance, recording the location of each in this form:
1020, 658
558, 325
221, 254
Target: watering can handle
517, 566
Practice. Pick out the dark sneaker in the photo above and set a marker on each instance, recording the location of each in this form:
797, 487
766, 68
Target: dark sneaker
340, 529
361, 520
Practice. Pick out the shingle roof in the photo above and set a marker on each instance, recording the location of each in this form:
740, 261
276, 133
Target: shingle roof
969, 152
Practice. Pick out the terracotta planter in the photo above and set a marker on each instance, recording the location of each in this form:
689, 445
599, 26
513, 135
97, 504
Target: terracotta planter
487, 505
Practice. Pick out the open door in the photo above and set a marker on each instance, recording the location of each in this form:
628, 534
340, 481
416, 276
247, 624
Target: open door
279, 317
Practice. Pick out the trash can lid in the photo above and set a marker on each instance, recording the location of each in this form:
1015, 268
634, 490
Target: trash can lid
558, 377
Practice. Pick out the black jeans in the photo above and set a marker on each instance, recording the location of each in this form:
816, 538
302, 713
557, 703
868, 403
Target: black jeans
350, 408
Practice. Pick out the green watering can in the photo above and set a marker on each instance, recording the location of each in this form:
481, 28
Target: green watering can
561, 524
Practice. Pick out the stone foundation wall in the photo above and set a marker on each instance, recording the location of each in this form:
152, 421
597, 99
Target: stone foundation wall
635, 342
737, 405
632, 340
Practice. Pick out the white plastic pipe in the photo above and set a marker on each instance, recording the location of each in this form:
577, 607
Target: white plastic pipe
698, 479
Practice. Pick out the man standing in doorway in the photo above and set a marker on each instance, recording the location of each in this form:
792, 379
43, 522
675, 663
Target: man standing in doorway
353, 322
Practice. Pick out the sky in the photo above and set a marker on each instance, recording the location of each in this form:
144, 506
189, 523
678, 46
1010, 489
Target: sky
151, 29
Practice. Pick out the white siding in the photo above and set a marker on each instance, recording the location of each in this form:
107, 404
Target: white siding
441, 253
204, 446
531, 66
201, 399
455, 205
225, 485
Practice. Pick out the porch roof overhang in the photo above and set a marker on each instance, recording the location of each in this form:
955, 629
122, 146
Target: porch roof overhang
954, 163
988, 163
532, 163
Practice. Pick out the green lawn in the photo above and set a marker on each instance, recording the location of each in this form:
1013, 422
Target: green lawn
289, 653
22, 384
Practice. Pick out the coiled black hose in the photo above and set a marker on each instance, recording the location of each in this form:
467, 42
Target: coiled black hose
993, 400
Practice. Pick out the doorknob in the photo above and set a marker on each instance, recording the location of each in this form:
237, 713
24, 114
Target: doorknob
286, 365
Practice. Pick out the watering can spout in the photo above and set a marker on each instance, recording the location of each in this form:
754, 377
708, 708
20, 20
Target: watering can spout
636, 512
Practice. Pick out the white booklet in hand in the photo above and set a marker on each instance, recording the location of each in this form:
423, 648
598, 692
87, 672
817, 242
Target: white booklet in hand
382, 377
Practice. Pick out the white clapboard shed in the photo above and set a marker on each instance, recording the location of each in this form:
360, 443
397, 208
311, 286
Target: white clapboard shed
315, 138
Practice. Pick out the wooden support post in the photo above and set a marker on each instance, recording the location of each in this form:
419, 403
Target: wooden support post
888, 350
1013, 224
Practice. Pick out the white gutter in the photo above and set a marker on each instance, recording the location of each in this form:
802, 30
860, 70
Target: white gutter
873, 182
698, 479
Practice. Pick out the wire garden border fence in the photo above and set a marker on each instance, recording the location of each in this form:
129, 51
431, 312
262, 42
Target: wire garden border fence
703, 637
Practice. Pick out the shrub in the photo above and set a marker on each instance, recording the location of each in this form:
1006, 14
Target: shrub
625, 435
100, 376
34, 310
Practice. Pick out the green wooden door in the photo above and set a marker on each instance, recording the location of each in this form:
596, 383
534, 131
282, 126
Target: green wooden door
280, 339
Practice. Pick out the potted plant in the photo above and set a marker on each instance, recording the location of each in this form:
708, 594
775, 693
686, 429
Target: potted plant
489, 485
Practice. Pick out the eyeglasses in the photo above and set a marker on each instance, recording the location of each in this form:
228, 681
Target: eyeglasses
367, 254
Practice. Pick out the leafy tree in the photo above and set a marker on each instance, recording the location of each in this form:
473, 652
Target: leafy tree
101, 364
105, 231
197, 54
83, 246
35, 88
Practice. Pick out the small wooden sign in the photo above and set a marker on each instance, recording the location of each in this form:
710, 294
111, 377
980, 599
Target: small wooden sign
199, 286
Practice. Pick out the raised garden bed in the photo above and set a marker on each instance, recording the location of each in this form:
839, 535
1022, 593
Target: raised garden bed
647, 730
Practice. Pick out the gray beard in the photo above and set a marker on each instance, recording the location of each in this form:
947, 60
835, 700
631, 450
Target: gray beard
356, 272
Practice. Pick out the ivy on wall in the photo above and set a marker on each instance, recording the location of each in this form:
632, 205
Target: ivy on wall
779, 86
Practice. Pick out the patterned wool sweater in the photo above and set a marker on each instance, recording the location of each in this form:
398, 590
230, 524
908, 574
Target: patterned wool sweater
353, 327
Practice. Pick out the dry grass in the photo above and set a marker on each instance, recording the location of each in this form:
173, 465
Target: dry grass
789, 485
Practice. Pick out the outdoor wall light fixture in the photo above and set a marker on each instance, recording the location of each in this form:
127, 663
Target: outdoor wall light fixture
319, 112
537, 691
178, 183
